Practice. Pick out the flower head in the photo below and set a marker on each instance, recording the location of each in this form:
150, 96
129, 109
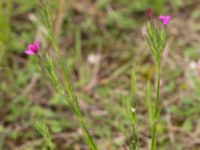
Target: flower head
165, 19
149, 13
33, 48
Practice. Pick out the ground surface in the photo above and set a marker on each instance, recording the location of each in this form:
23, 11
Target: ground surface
109, 35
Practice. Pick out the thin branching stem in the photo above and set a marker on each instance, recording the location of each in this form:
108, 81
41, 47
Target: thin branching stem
156, 111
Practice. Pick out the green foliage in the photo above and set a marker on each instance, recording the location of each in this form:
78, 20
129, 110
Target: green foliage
157, 5
16, 111
24, 6
156, 39
132, 112
120, 21
58, 100
43, 129
78, 46
51, 72
5, 14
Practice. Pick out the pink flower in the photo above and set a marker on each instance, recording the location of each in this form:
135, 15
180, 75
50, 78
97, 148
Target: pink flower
165, 19
33, 48
149, 13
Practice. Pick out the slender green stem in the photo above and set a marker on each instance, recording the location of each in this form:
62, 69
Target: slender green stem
132, 112
51, 145
134, 145
157, 93
153, 141
156, 112
88, 136
73, 98
74, 102
134, 142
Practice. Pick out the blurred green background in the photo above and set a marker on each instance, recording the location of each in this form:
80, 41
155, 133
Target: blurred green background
101, 40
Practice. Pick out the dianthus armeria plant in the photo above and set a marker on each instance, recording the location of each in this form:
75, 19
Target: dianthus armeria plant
49, 63
156, 38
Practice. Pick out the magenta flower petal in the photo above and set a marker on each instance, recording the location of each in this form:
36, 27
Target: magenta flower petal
165, 19
29, 52
37, 45
30, 46
33, 48
161, 17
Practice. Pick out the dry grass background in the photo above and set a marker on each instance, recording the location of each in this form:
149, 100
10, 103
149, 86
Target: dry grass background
109, 35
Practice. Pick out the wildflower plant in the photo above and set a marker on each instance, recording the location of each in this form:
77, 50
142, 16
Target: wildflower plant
156, 38
49, 62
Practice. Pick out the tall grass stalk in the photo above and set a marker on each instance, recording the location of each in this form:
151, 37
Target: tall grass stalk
67, 88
